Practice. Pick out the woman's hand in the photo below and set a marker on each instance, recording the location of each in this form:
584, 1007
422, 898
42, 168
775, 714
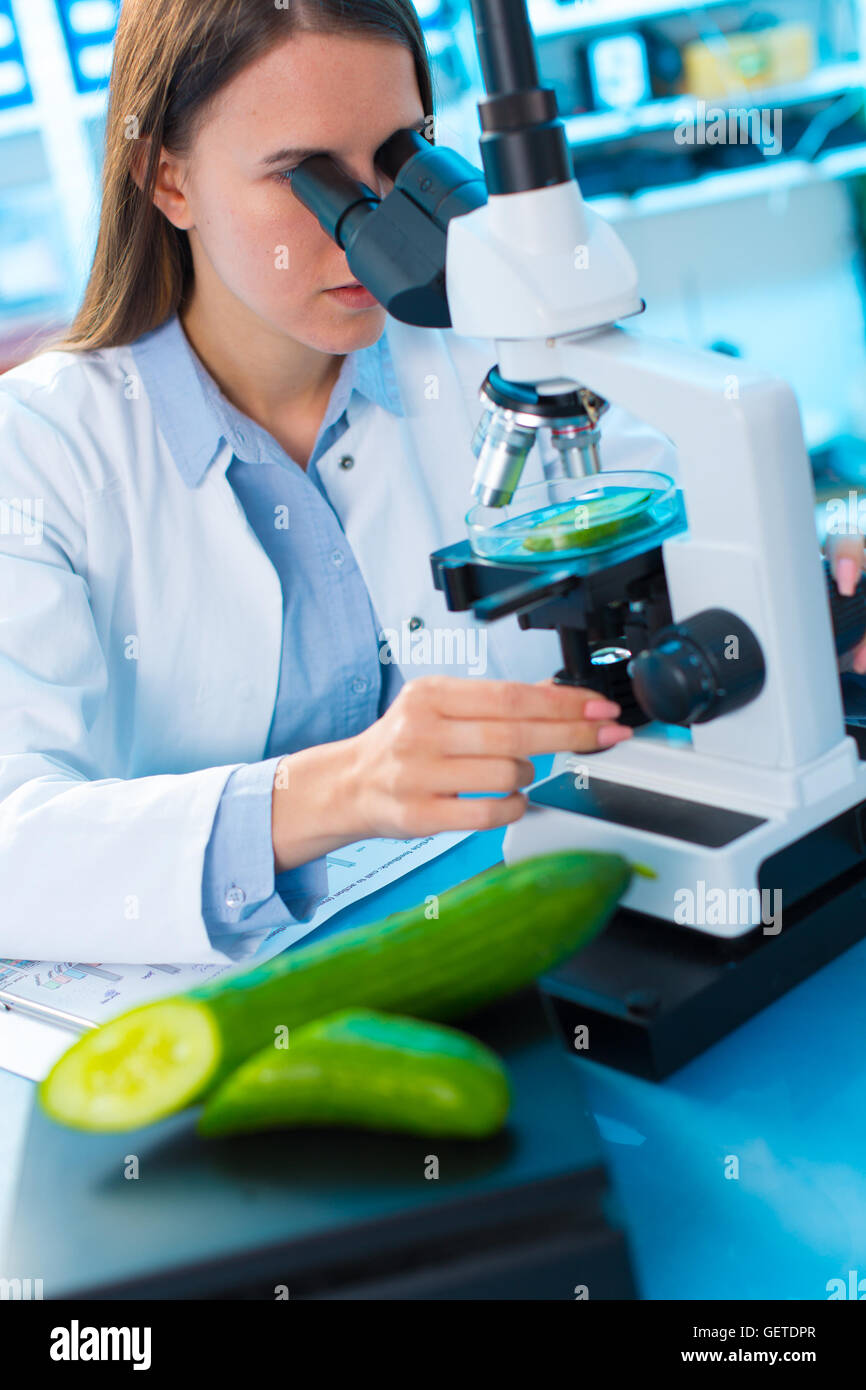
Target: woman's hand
449, 734
845, 554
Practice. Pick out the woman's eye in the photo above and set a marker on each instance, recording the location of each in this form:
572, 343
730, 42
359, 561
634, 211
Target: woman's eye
285, 175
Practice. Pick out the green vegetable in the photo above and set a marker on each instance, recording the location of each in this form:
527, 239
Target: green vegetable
371, 1071
137, 1068
493, 935
607, 516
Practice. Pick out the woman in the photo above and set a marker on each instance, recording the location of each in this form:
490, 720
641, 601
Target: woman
228, 479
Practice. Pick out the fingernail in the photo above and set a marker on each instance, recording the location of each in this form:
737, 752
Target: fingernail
601, 709
612, 733
847, 575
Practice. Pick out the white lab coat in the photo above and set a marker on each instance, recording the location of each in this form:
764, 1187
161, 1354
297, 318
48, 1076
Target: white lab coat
140, 638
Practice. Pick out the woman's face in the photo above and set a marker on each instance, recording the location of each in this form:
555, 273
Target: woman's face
340, 95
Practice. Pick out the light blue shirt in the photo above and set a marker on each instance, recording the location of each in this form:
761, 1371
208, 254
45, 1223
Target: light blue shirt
330, 630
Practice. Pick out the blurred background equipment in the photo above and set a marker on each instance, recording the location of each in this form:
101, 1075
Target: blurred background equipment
726, 138
55, 60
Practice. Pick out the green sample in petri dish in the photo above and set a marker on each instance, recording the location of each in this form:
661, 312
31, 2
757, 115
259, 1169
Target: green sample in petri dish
607, 515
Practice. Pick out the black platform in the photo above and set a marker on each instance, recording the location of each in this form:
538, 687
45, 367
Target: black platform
651, 995
337, 1215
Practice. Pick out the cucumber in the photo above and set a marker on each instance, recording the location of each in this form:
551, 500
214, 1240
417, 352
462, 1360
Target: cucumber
366, 1070
495, 933
608, 517
135, 1069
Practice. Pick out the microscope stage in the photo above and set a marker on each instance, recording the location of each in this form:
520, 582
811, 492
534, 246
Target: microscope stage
595, 522
741, 909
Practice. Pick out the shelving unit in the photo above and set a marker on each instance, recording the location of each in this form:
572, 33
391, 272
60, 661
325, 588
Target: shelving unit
591, 133
49, 166
51, 145
549, 17
668, 112
51, 131
734, 184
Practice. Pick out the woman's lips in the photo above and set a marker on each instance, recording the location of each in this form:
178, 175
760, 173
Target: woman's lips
353, 296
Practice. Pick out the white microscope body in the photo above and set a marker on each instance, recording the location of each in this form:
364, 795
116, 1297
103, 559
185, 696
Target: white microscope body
740, 780
546, 277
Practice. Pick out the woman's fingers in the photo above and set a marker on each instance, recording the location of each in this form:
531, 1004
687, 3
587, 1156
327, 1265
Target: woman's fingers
452, 775
505, 738
507, 719
597, 707
456, 697
475, 813
845, 554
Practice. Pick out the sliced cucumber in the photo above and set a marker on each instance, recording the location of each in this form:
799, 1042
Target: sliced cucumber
607, 516
136, 1068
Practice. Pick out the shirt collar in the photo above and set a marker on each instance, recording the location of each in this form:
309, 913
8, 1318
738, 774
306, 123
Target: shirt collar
197, 420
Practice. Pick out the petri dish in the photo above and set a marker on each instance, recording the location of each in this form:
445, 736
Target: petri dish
566, 518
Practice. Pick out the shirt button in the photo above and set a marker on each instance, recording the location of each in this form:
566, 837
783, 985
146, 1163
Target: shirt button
235, 897
347, 461
360, 685
337, 557
415, 623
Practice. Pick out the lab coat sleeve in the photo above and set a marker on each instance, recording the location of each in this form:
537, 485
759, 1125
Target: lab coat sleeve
93, 866
242, 899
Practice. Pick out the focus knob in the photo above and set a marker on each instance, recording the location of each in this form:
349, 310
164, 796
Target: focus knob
693, 671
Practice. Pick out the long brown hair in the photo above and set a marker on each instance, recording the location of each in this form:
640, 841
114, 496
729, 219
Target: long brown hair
171, 57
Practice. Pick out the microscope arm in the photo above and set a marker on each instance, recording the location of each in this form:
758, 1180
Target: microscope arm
747, 483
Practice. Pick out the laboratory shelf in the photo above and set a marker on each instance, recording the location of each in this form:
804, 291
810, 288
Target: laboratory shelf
18, 119
833, 79
550, 18
754, 181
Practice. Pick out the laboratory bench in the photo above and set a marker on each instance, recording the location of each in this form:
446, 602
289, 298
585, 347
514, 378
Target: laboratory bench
741, 1176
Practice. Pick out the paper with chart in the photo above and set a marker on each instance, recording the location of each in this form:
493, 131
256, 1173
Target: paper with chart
79, 995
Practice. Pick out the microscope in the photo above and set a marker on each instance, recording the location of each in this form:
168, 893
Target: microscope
703, 608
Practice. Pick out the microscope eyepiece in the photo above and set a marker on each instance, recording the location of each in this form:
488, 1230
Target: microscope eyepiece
397, 150
329, 193
396, 246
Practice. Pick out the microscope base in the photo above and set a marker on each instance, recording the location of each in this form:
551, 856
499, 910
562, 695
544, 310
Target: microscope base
649, 996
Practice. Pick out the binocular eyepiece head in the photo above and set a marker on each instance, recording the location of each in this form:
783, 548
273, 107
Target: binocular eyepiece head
396, 245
